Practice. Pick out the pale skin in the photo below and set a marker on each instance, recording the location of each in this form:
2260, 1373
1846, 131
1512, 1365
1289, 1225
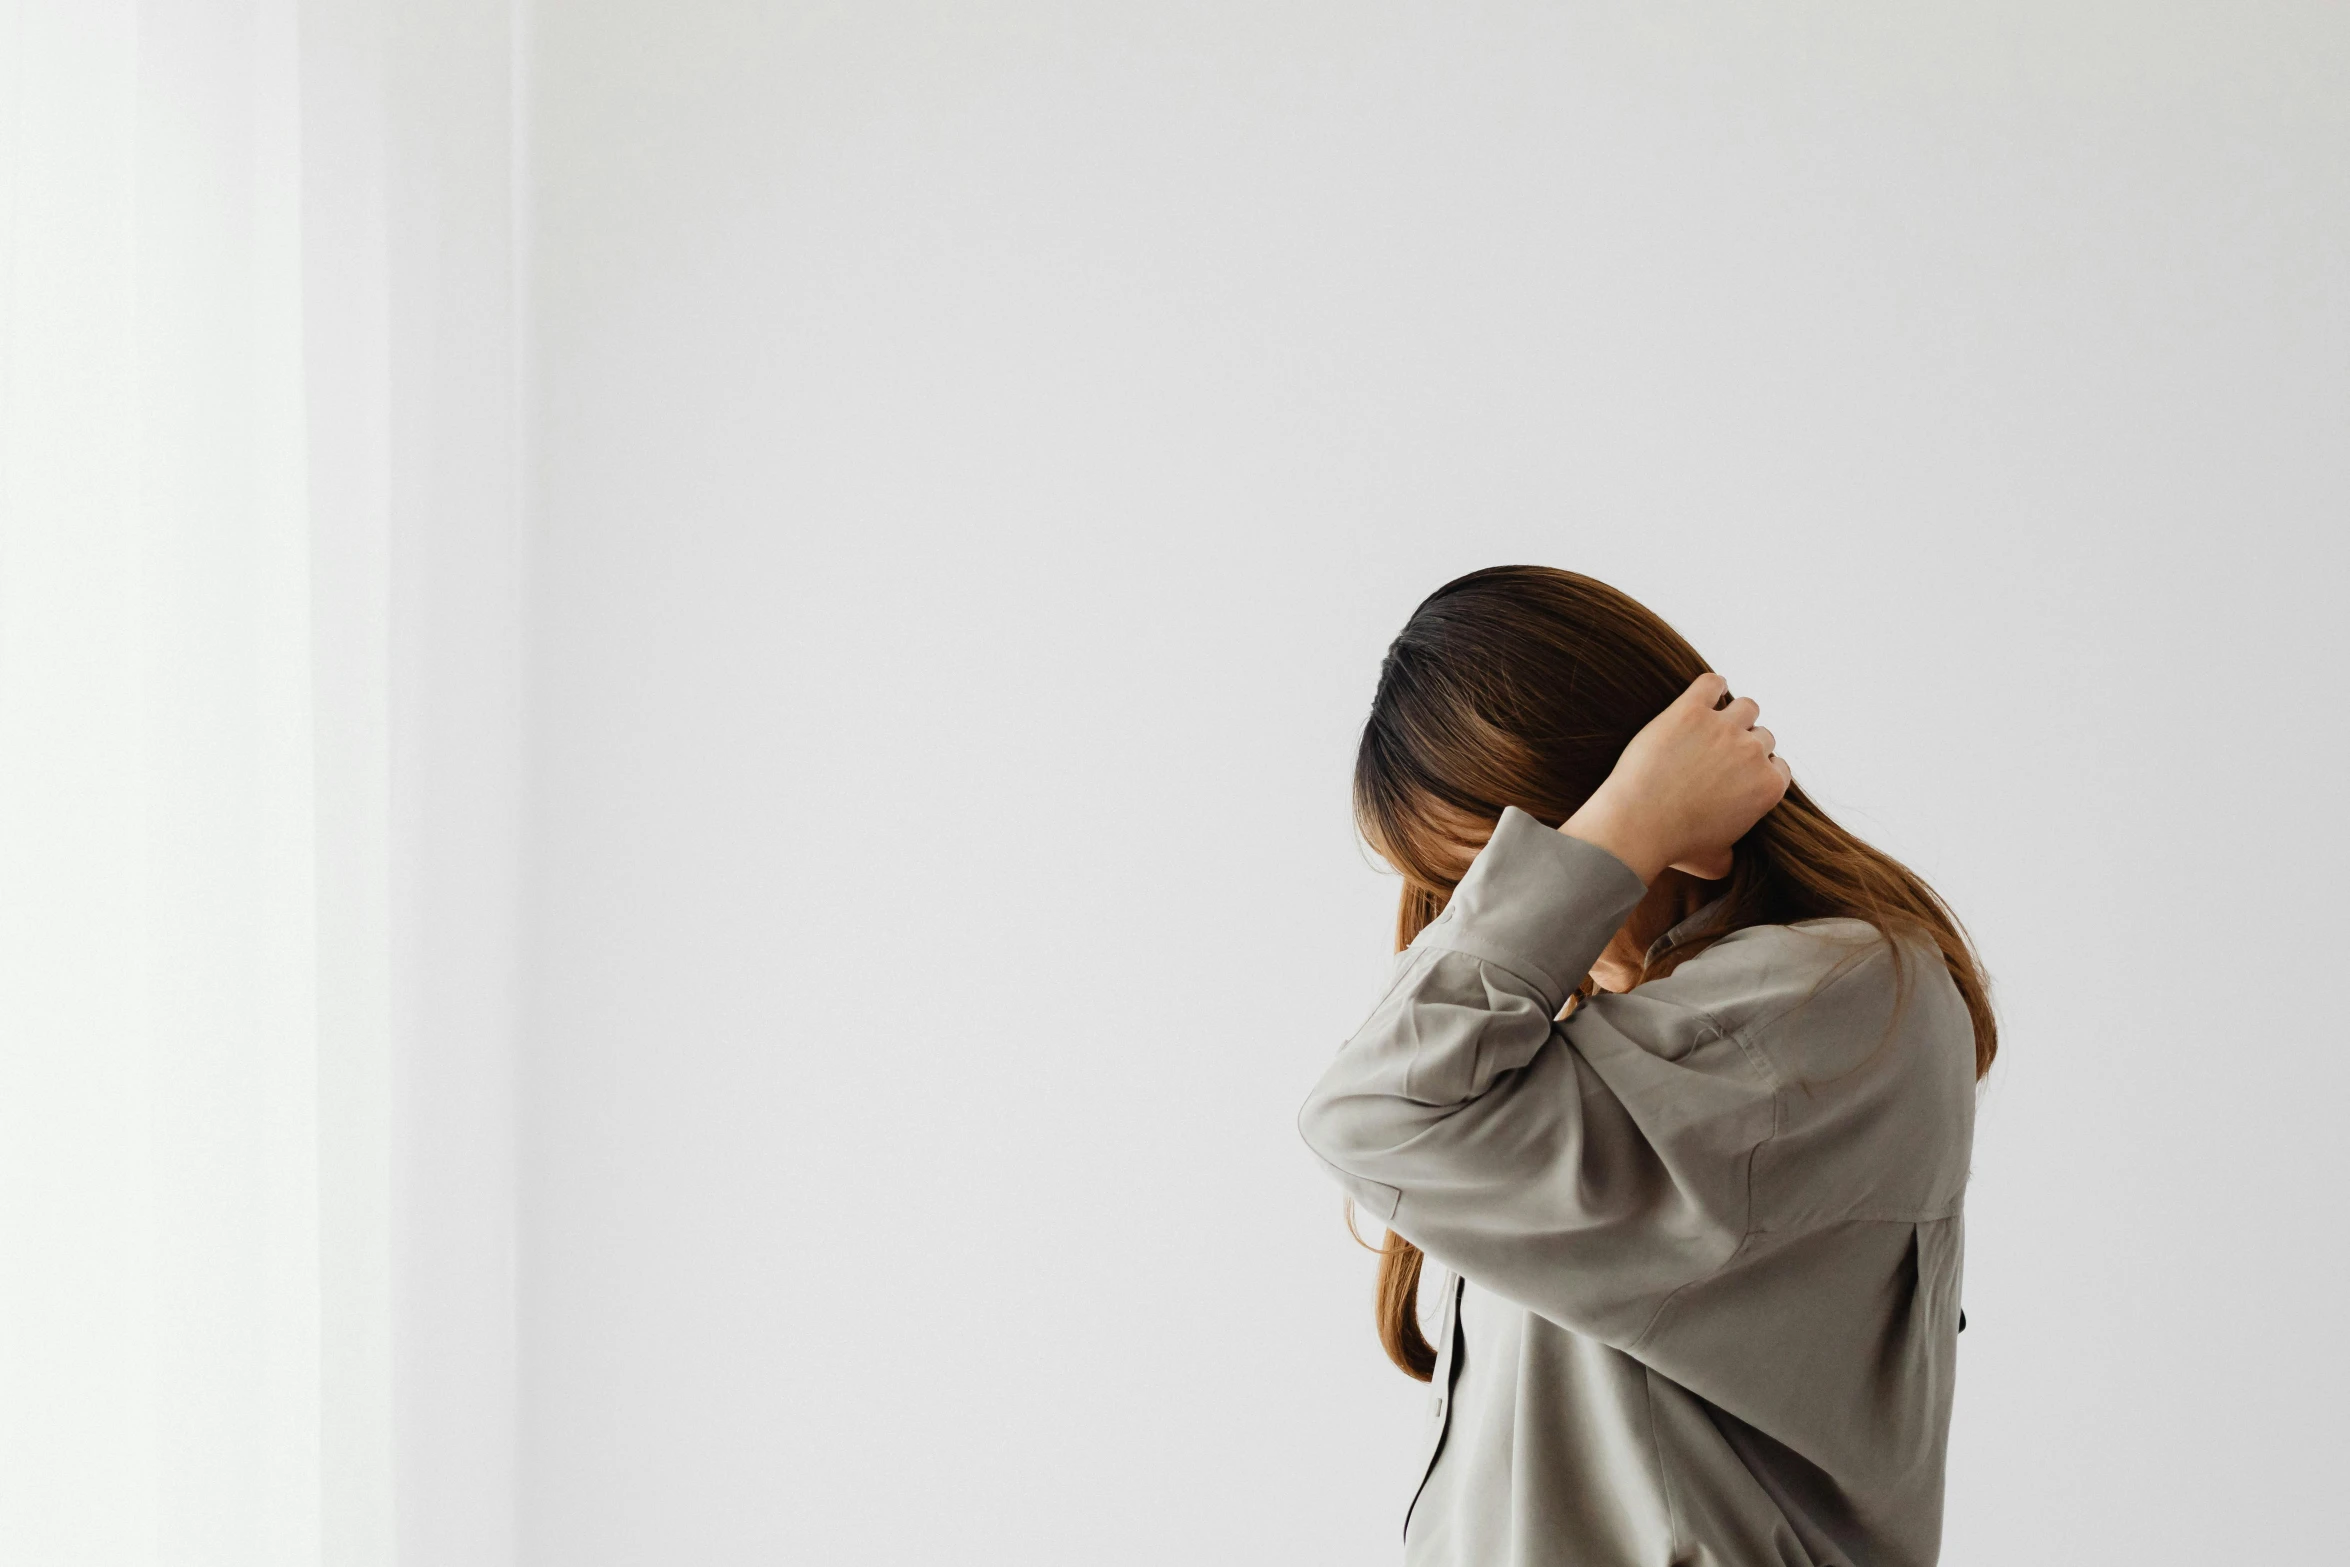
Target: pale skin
1687, 788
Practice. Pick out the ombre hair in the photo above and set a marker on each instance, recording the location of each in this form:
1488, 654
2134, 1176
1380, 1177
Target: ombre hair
1521, 685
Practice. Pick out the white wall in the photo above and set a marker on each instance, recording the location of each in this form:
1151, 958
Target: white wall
259, 756
454, 588
980, 456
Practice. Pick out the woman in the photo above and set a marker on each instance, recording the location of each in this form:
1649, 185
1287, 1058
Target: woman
1674, 1080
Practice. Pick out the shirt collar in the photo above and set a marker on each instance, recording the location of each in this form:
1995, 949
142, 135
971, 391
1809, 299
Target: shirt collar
1699, 919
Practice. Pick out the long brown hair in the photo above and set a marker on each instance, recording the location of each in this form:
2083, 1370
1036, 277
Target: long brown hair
1521, 685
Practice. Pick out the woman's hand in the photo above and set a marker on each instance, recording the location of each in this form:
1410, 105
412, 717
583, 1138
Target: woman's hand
1688, 786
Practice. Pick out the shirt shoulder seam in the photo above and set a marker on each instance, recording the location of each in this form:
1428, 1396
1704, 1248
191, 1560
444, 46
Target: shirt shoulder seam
1750, 1230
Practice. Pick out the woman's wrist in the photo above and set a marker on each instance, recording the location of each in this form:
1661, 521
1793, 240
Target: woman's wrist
1622, 833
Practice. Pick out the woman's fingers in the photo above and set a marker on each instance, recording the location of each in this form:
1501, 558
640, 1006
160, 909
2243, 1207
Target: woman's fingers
1741, 715
1687, 786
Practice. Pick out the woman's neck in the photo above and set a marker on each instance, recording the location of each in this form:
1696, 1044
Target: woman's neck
1672, 898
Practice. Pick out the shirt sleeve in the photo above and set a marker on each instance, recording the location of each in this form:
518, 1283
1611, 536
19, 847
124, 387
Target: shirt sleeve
1586, 1170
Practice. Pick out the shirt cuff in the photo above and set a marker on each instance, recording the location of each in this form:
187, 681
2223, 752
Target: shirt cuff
1538, 903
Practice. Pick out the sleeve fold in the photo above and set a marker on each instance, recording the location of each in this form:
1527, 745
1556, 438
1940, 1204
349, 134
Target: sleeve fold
1462, 1116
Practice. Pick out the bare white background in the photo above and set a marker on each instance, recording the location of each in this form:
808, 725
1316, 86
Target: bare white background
979, 456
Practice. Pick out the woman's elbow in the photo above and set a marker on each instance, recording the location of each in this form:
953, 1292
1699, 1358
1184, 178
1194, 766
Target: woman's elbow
1348, 1131
1318, 1128
1335, 1128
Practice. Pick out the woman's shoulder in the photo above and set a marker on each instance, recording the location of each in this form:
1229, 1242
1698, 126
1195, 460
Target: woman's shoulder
1818, 979
1871, 1068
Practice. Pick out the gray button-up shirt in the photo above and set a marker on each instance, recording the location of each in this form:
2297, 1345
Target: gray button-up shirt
1700, 1241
